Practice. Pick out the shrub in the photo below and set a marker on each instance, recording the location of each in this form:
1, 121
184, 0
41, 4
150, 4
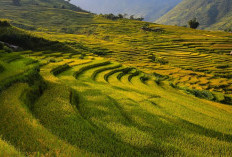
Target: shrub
144, 78
158, 59
228, 100
217, 97
120, 16
146, 27
1, 68
193, 23
1, 45
173, 85
4, 23
158, 81
7, 49
159, 78
201, 94
228, 30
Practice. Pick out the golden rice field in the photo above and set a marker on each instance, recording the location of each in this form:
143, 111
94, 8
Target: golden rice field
192, 59
92, 106
83, 85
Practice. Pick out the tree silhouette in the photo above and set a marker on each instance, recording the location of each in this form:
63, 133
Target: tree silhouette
193, 23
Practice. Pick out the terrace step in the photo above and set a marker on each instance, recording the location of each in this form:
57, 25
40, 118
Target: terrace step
88, 67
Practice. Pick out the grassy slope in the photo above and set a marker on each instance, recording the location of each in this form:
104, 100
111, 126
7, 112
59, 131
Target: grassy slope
29, 41
43, 17
117, 117
180, 46
189, 52
210, 14
24, 131
8, 150
118, 112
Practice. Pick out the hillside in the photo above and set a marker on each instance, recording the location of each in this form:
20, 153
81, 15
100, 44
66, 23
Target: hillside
76, 105
83, 85
44, 3
149, 9
43, 15
211, 14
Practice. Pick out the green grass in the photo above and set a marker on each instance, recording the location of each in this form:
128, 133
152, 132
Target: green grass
27, 134
65, 100
8, 150
2, 68
27, 40
130, 115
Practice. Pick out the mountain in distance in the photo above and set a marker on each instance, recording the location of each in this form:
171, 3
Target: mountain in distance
212, 14
149, 9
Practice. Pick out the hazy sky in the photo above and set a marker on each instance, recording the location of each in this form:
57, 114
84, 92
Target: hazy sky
150, 9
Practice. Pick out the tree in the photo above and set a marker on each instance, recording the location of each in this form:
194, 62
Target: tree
193, 23
4, 23
132, 17
16, 2
140, 19
120, 16
228, 30
125, 15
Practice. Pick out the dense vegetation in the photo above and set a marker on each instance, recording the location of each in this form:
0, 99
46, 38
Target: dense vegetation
100, 87
120, 16
193, 23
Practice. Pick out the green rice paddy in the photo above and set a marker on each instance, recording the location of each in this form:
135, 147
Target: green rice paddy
82, 85
102, 108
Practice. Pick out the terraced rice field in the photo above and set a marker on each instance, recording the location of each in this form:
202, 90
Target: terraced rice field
201, 56
204, 71
93, 106
140, 98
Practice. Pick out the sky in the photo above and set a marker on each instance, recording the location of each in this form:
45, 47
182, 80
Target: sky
149, 9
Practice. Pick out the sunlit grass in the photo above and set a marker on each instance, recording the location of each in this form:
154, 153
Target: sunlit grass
120, 104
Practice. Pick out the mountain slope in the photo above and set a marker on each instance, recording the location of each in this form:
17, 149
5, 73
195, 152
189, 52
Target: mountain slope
97, 107
46, 3
40, 15
149, 9
126, 93
214, 14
